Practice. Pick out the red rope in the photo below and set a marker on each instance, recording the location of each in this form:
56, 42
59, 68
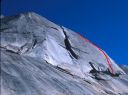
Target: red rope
105, 55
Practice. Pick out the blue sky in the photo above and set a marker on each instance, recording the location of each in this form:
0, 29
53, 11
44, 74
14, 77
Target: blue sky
103, 22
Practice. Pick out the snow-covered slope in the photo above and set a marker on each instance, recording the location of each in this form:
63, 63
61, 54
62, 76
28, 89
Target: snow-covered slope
42, 58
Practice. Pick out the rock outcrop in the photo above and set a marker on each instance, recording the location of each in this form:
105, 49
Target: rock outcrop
39, 57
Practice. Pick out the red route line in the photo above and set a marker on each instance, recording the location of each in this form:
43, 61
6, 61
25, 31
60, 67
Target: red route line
105, 55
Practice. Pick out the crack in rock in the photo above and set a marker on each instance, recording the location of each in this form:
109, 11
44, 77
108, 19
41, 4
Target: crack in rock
75, 49
68, 45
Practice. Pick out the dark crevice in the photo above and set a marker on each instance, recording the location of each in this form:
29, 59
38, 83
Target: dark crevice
111, 74
54, 28
1, 30
109, 92
60, 69
68, 45
73, 75
11, 51
22, 47
34, 43
68, 72
51, 27
80, 50
87, 81
93, 68
8, 50
99, 78
76, 49
96, 73
63, 70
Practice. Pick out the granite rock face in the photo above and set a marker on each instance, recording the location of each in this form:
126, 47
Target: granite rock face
39, 57
125, 68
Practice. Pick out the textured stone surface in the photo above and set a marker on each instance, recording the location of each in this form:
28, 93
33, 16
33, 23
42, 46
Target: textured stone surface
39, 57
